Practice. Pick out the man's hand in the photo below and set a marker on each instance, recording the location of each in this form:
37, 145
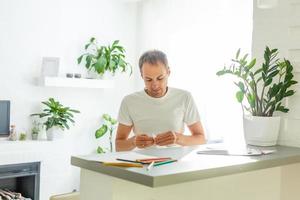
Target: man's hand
166, 138
143, 141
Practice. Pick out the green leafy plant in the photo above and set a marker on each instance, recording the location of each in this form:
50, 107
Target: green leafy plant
104, 58
107, 126
22, 136
265, 87
57, 115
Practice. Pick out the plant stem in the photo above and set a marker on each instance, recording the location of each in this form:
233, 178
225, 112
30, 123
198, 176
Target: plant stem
243, 109
255, 92
247, 89
261, 97
110, 139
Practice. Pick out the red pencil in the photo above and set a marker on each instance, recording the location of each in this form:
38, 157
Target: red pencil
149, 160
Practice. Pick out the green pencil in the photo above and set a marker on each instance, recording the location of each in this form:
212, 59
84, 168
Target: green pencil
163, 162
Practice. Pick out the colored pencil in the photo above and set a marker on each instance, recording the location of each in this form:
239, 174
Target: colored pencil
123, 164
153, 159
132, 161
150, 166
164, 162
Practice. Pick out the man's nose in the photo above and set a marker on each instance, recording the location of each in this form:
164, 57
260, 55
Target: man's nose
154, 84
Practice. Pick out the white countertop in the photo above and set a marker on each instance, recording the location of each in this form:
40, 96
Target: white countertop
192, 166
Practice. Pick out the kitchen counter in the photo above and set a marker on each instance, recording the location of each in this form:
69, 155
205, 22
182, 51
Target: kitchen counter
193, 168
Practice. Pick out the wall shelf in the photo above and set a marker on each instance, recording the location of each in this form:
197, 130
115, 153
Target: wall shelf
75, 82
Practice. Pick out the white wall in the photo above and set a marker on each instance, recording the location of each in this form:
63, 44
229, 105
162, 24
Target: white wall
279, 27
32, 29
194, 34
199, 37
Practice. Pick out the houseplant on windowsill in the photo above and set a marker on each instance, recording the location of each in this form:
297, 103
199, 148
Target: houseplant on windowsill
261, 93
58, 118
109, 125
104, 59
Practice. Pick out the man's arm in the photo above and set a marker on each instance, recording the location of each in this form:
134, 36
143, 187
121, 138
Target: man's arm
170, 137
122, 141
196, 138
124, 144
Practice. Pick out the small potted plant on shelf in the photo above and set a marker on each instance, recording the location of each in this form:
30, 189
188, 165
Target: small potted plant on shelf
22, 136
109, 125
36, 128
102, 59
58, 118
261, 91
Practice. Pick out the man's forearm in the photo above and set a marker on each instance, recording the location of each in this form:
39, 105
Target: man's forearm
186, 140
125, 145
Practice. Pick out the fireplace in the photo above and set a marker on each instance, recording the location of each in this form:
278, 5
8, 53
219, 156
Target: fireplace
21, 178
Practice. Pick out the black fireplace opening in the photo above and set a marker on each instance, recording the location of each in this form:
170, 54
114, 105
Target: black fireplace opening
20, 179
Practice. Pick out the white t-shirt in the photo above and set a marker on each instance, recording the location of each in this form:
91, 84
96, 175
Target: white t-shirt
151, 116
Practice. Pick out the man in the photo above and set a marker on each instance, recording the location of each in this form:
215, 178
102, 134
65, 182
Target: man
157, 114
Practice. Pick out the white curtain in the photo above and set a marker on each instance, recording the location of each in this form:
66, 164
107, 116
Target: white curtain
199, 37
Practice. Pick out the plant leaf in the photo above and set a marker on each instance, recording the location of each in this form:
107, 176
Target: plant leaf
106, 117
268, 81
113, 121
92, 40
239, 96
237, 54
252, 63
101, 131
100, 150
79, 59
289, 93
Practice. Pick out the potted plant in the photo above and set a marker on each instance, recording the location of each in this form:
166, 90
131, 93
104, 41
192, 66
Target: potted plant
22, 136
261, 91
109, 125
36, 126
58, 117
101, 59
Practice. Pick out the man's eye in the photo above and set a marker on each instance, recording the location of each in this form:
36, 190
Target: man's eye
160, 79
148, 80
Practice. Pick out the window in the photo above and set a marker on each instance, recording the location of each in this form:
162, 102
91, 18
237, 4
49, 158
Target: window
199, 37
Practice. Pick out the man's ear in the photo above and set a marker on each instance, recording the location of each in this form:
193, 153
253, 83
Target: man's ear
169, 71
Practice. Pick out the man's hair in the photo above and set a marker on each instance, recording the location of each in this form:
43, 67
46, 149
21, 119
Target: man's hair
153, 57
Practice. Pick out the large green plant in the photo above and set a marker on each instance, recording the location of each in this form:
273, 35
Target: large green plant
263, 87
104, 58
57, 115
107, 126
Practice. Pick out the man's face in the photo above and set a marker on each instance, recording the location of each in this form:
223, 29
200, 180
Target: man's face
155, 78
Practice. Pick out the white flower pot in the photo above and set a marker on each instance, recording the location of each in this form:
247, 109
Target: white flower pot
92, 74
54, 133
107, 76
261, 131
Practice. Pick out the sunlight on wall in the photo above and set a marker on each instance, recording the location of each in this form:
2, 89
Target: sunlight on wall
199, 37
